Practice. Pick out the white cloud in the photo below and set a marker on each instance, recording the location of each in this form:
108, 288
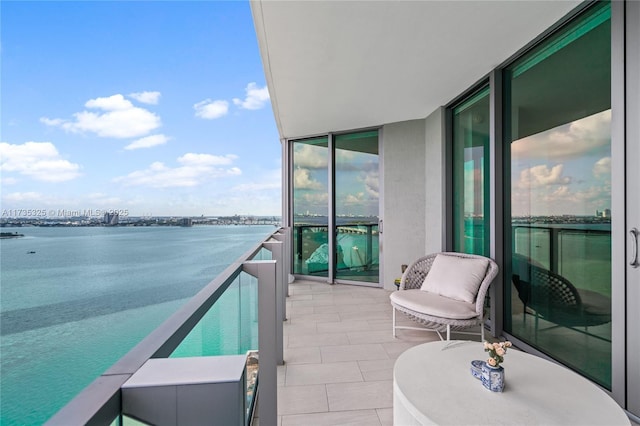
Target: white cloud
602, 168
372, 184
256, 98
151, 98
147, 142
356, 199
119, 119
111, 103
253, 186
195, 169
303, 180
572, 140
205, 160
19, 197
268, 185
541, 175
313, 198
310, 156
211, 110
37, 160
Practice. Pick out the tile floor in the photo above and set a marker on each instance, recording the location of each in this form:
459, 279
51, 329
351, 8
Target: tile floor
339, 354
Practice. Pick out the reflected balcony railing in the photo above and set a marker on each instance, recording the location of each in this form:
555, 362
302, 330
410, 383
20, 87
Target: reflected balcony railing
238, 313
356, 248
581, 255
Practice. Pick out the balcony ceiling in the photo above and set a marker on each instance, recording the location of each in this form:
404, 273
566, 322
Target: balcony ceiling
342, 65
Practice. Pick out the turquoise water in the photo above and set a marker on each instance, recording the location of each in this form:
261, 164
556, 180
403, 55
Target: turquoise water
88, 295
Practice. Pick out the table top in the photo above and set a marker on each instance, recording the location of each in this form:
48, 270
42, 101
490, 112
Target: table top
434, 383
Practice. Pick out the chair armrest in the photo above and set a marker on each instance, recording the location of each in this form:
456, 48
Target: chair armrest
415, 273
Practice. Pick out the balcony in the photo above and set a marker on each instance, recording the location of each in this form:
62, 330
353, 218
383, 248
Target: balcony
336, 344
339, 354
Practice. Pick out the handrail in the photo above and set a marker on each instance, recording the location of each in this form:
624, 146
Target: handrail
100, 402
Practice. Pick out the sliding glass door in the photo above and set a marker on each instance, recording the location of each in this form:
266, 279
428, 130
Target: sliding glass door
558, 165
310, 185
335, 192
356, 206
470, 174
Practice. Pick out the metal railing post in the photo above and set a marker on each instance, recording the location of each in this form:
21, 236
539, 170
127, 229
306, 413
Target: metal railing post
265, 271
276, 249
369, 246
288, 255
284, 236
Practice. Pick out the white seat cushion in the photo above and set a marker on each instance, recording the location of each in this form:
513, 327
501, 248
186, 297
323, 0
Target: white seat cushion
456, 277
433, 304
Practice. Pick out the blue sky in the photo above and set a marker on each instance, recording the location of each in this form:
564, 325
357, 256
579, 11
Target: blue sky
158, 108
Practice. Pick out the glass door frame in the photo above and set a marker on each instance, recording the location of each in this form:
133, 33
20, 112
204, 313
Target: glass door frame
625, 289
288, 203
618, 238
627, 35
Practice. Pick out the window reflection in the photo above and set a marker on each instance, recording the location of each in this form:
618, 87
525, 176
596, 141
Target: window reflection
558, 119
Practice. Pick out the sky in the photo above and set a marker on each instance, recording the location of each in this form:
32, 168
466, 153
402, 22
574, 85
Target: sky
565, 170
156, 108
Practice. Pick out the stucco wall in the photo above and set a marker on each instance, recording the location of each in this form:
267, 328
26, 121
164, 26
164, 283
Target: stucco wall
403, 147
435, 182
413, 193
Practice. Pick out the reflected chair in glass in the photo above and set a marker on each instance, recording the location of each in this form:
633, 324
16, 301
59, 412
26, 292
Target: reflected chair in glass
553, 298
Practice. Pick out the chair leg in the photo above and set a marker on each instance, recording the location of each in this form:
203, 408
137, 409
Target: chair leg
394, 322
482, 331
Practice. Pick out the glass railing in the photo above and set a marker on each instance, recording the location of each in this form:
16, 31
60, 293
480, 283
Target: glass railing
240, 312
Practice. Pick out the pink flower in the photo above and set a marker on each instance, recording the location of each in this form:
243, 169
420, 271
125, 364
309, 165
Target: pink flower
492, 362
488, 345
500, 351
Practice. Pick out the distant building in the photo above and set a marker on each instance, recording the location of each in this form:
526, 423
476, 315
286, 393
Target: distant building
186, 221
111, 219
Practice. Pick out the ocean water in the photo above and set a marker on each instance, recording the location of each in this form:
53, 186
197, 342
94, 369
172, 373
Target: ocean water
88, 295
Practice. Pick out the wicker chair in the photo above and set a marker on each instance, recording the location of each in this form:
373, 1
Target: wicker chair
435, 312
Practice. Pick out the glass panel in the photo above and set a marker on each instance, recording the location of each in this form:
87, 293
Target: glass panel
470, 175
356, 206
230, 327
310, 207
558, 123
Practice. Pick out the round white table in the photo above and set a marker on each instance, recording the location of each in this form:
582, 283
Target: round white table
432, 384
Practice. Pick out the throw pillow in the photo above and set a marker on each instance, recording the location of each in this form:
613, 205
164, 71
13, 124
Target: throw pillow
456, 277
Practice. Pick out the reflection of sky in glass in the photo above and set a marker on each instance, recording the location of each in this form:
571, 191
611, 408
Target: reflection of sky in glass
473, 180
310, 191
356, 183
564, 170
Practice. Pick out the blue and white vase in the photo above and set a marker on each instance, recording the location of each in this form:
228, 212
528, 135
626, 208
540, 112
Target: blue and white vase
492, 378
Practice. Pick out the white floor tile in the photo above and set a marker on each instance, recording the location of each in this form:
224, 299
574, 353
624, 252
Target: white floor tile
314, 374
